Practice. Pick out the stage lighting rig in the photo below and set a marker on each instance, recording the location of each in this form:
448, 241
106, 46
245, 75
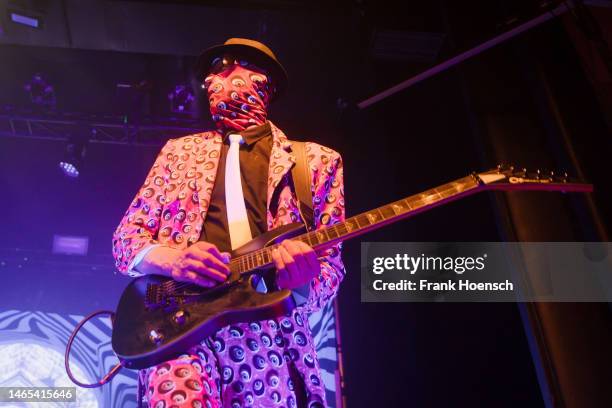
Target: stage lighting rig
181, 99
42, 94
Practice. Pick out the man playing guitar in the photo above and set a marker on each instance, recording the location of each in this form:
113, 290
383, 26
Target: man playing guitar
208, 194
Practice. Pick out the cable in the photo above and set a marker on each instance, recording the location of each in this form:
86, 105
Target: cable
76, 330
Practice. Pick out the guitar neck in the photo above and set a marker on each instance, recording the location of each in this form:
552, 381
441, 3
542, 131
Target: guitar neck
366, 221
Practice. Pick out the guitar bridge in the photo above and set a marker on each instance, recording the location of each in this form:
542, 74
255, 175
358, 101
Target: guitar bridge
165, 296
154, 296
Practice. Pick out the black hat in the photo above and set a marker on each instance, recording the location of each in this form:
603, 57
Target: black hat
254, 51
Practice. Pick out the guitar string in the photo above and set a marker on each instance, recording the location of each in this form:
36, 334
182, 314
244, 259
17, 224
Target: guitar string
177, 285
464, 184
340, 229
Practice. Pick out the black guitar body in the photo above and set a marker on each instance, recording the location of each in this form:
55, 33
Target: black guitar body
155, 323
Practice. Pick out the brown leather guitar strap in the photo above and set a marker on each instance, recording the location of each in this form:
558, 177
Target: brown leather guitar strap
300, 173
302, 183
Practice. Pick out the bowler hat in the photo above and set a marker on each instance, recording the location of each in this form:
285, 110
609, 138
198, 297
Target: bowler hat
254, 52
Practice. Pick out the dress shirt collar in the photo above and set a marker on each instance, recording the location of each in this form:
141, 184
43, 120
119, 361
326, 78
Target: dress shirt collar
252, 134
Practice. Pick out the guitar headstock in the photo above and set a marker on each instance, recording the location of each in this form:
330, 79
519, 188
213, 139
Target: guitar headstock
506, 177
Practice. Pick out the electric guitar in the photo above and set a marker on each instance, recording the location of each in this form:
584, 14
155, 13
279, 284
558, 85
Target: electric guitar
158, 318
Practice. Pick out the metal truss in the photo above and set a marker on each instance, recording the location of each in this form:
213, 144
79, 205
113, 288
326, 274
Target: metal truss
26, 259
97, 128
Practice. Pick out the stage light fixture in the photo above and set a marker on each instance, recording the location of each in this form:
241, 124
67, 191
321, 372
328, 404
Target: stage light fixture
42, 94
181, 99
74, 155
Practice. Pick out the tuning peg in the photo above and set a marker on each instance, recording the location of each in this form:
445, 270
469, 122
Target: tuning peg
538, 174
552, 175
565, 177
524, 171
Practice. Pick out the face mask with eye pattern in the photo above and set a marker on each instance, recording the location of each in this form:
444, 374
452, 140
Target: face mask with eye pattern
238, 97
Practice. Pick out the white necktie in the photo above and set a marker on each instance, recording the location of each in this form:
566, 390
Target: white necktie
237, 221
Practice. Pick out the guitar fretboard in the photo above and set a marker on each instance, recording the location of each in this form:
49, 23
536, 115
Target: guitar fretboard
364, 222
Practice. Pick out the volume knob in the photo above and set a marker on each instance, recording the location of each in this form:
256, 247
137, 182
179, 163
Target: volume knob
156, 336
180, 317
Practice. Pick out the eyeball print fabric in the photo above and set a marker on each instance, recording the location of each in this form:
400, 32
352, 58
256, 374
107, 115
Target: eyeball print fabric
238, 97
270, 363
261, 364
181, 383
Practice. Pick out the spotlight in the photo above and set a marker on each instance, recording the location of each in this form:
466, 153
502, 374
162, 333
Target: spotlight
74, 155
69, 169
181, 99
41, 93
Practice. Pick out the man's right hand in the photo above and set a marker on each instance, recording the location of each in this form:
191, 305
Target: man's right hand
201, 263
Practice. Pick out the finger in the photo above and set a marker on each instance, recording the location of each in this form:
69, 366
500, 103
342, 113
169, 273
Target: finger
189, 277
204, 270
209, 260
305, 248
207, 247
278, 260
292, 247
226, 257
311, 257
289, 262
198, 280
295, 250
214, 263
281, 271
212, 249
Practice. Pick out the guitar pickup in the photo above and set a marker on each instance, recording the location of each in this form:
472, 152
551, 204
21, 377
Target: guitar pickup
154, 296
158, 296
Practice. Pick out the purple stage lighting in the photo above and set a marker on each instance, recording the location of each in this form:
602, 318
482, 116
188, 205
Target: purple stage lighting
69, 169
181, 99
25, 20
74, 156
67, 245
41, 93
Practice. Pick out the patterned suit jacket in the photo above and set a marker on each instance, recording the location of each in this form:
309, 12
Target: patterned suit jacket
171, 205
170, 208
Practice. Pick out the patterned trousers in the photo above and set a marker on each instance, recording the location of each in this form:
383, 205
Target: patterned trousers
180, 383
